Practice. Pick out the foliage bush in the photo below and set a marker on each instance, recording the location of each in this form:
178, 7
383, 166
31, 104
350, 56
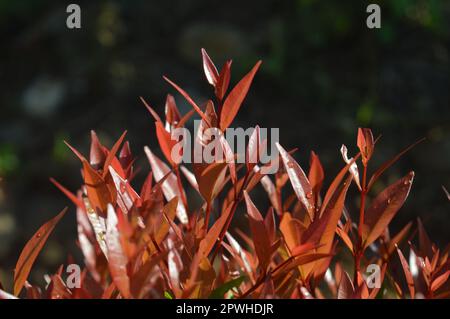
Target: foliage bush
152, 243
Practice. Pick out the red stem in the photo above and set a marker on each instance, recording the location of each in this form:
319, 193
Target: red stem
359, 249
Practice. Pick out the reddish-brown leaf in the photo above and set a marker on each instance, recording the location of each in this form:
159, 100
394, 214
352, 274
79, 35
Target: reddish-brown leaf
316, 175
390, 162
223, 81
253, 149
407, 272
260, 236
169, 186
97, 191
68, 193
384, 207
189, 99
166, 143
117, 259
208, 242
210, 69
31, 251
346, 289
97, 155
151, 110
235, 98
210, 179
299, 181
365, 144
112, 155
440, 280
173, 116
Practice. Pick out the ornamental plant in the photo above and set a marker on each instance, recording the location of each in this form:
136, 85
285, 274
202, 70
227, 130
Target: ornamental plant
152, 241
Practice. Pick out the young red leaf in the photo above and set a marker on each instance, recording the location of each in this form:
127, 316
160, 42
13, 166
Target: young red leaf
208, 242
172, 114
223, 81
235, 98
384, 207
68, 193
112, 154
210, 69
117, 259
97, 154
31, 251
151, 110
260, 236
365, 144
189, 99
253, 149
210, 179
169, 186
299, 181
322, 229
97, 191
407, 272
166, 143
426, 247
346, 289
316, 175
439, 281
389, 163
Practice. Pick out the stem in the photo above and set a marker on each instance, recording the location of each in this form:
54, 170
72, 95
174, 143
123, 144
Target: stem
363, 201
359, 249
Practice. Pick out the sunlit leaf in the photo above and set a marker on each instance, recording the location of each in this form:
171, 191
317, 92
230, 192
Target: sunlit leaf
31, 251
384, 207
236, 97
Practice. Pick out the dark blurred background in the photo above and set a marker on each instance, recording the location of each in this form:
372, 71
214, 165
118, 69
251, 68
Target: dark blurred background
324, 73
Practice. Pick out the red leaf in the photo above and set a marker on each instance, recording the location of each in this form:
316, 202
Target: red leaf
235, 97
439, 281
189, 99
261, 238
31, 251
151, 110
223, 81
213, 235
210, 178
169, 186
407, 272
384, 207
97, 153
172, 114
66, 192
97, 191
316, 175
388, 164
166, 143
322, 229
365, 144
112, 154
346, 289
299, 181
253, 149
117, 259
210, 69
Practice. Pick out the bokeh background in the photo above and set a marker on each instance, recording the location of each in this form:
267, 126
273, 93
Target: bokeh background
324, 74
